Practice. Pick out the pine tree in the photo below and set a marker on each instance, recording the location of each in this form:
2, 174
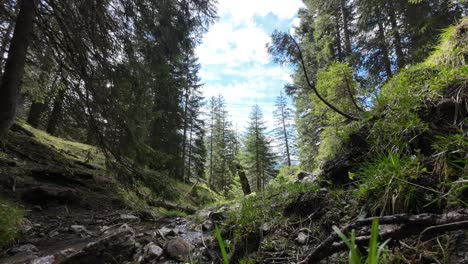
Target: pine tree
257, 156
284, 129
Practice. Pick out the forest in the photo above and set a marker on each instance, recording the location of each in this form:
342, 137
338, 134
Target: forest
112, 151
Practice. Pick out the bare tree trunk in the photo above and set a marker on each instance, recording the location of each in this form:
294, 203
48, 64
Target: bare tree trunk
243, 180
286, 140
338, 40
384, 49
184, 140
189, 164
347, 35
14, 67
396, 37
35, 113
56, 114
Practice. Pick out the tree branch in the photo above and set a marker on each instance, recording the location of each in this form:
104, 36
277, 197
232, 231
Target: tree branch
427, 225
312, 86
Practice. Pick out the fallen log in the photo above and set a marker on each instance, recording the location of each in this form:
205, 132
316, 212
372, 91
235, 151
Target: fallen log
424, 225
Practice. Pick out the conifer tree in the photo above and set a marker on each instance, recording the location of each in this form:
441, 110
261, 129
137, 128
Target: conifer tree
257, 158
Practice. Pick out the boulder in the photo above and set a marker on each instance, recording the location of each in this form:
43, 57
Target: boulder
178, 249
152, 252
116, 245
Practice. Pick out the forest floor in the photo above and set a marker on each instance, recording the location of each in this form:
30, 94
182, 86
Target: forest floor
75, 213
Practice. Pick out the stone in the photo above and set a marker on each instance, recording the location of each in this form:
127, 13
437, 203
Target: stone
44, 260
301, 238
152, 251
54, 233
26, 226
77, 229
116, 245
164, 231
147, 215
207, 225
178, 249
128, 217
26, 248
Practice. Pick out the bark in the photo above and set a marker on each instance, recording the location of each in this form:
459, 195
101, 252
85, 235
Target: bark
243, 180
35, 112
56, 115
189, 164
396, 37
347, 35
14, 67
286, 140
338, 40
423, 225
384, 50
184, 139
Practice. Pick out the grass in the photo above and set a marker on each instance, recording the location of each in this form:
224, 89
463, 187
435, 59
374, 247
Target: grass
11, 218
374, 250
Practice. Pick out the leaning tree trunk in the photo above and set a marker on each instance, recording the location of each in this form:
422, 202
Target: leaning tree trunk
14, 67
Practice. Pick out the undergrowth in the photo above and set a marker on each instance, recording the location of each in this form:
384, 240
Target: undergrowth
11, 218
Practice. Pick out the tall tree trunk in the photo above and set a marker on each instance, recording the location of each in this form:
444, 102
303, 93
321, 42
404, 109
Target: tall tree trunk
347, 35
286, 140
35, 112
56, 114
384, 50
338, 40
396, 36
210, 180
184, 139
189, 164
14, 67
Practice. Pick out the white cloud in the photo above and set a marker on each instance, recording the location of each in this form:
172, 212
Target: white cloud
234, 48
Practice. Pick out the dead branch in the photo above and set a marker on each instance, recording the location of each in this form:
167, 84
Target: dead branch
424, 225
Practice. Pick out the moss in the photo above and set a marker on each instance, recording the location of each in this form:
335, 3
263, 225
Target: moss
11, 218
72, 150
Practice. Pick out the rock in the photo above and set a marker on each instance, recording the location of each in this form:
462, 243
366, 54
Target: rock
164, 232
265, 228
44, 260
26, 248
54, 233
152, 252
301, 238
128, 217
207, 225
26, 226
147, 215
178, 249
116, 245
77, 229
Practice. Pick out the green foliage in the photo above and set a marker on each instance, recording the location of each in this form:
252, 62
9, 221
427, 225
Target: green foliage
374, 250
386, 184
11, 218
266, 207
221, 245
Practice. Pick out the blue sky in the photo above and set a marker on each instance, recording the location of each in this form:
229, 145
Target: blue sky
234, 60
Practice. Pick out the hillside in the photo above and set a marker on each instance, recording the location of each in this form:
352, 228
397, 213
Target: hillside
61, 205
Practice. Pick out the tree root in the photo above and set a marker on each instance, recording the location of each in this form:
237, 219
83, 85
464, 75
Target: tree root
424, 225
